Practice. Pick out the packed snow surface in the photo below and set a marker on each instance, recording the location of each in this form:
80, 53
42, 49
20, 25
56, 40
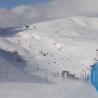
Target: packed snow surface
33, 58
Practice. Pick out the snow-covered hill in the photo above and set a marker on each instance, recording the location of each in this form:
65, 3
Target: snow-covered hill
41, 52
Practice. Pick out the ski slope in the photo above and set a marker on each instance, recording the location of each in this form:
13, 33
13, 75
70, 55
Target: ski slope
63, 89
38, 55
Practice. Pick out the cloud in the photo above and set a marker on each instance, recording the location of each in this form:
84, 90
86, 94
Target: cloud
61, 8
28, 14
20, 15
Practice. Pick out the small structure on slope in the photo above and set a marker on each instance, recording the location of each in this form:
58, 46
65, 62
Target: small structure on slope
66, 73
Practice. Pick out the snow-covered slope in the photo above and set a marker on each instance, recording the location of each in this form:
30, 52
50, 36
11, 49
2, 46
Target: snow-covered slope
42, 51
54, 46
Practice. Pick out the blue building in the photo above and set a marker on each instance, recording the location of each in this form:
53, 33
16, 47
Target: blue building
94, 75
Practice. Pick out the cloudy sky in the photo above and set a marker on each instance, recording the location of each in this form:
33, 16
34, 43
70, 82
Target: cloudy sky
21, 12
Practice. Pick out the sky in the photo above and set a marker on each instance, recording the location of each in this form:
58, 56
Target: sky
13, 3
21, 12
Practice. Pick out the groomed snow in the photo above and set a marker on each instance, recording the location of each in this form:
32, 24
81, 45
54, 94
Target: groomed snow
64, 89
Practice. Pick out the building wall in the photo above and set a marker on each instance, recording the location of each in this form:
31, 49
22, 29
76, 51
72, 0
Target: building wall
94, 75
